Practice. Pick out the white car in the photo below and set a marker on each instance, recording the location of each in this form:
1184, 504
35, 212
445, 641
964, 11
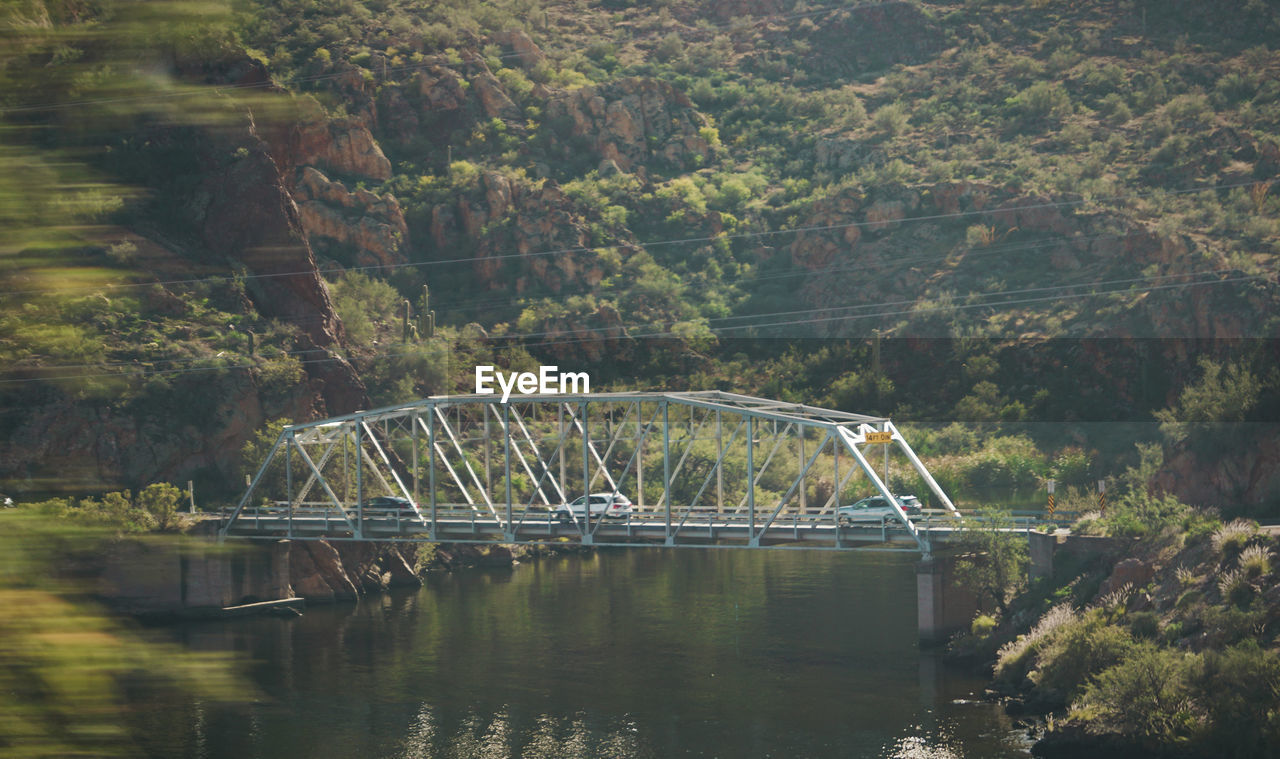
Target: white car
875, 509
610, 505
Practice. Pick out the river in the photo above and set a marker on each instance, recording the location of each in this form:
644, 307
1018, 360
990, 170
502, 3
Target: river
625, 653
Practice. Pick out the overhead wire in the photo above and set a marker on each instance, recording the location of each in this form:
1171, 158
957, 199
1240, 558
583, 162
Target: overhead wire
439, 59
679, 241
645, 245
594, 334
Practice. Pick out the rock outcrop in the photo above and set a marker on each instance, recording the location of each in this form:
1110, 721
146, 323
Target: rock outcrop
246, 214
1247, 479
858, 236
631, 122
538, 220
340, 147
337, 220
526, 51
871, 36
326, 572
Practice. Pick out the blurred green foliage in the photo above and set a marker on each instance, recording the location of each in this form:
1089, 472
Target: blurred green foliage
68, 669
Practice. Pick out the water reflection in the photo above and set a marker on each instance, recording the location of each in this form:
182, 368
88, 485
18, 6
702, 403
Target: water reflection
628, 654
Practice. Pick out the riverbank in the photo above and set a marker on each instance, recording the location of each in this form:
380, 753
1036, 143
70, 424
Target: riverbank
170, 577
1164, 646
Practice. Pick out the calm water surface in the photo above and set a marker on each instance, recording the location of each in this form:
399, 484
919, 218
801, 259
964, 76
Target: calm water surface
627, 654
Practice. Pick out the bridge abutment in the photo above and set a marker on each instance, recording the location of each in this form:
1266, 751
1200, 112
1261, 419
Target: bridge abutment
942, 606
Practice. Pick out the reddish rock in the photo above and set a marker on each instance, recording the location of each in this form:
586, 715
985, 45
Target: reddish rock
329, 569
372, 224
1132, 572
493, 99
870, 36
250, 218
528, 53
632, 120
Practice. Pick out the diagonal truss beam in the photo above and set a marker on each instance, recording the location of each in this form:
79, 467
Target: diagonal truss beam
791, 491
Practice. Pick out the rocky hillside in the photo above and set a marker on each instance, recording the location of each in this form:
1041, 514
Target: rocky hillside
670, 195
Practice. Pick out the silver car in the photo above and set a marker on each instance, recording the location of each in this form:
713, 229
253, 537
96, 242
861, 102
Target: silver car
610, 505
876, 508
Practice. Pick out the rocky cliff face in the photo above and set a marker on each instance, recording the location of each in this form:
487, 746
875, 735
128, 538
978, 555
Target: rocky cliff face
516, 218
1244, 481
337, 219
631, 122
248, 216
872, 36
323, 571
857, 237
319, 158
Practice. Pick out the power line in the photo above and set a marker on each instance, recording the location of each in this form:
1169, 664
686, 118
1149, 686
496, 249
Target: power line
645, 245
439, 59
605, 332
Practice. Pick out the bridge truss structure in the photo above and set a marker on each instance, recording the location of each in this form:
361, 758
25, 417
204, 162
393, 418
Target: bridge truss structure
705, 468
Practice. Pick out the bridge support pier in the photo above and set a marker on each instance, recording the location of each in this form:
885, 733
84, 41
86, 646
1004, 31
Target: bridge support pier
942, 606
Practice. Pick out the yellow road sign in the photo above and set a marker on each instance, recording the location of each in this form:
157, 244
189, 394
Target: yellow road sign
879, 437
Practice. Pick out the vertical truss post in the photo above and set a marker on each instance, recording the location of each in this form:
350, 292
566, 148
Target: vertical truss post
719, 469
417, 467
666, 464
800, 431
639, 461
488, 444
751, 482
563, 479
288, 480
506, 462
359, 433
885, 428
431, 474
586, 471
835, 481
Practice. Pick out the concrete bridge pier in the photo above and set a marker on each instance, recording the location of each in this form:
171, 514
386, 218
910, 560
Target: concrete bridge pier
942, 606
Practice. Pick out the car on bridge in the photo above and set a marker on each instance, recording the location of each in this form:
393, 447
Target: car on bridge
388, 505
876, 508
610, 505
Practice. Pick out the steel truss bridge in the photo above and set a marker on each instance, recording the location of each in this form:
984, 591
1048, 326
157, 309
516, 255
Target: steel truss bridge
709, 468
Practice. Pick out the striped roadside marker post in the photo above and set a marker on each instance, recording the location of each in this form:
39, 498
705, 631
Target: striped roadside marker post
1050, 484
1102, 496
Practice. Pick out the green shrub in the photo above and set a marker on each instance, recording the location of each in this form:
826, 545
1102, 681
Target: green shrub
1239, 689
1255, 561
1224, 393
1222, 626
1041, 103
1144, 625
1147, 695
890, 120
1198, 527
161, 501
1015, 658
1231, 538
1235, 588
982, 625
1079, 651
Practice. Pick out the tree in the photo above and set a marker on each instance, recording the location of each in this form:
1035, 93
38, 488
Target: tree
161, 500
995, 557
1223, 395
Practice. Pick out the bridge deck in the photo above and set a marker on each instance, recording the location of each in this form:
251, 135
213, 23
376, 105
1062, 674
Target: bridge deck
706, 529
